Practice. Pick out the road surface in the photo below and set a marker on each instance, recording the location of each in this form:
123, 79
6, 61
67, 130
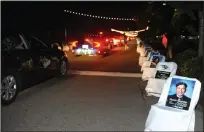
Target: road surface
119, 61
88, 103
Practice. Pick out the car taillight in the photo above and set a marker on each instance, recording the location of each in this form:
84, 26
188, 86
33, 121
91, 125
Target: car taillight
97, 44
106, 40
74, 43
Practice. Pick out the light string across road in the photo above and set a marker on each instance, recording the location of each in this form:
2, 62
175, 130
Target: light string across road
99, 17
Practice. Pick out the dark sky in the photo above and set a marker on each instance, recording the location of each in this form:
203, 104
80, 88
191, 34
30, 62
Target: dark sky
50, 15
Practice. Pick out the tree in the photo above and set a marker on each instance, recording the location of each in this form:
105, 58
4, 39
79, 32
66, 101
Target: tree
195, 11
174, 26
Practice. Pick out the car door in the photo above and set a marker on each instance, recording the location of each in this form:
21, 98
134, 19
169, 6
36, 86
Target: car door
19, 57
46, 57
32, 58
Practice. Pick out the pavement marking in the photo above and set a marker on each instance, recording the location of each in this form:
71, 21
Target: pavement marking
110, 74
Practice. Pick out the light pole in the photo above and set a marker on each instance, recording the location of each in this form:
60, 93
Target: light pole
201, 34
201, 40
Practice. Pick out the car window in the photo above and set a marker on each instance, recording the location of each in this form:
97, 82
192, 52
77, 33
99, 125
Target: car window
12, 43
36, 43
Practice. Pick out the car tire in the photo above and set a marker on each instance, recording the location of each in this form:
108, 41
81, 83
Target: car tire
63, 68
16, 85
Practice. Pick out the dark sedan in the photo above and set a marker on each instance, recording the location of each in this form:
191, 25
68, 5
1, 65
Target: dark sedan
25, 59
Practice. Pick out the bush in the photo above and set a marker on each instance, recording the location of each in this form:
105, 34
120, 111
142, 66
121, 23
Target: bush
192, 68
184, 56
189, 64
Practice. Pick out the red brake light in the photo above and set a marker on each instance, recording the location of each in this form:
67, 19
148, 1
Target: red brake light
97, 44
106, 40
74, 43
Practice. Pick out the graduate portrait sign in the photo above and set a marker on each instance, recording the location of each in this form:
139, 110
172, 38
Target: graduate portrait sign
180, 93
147, 51
163, 72
155, 60
153, 53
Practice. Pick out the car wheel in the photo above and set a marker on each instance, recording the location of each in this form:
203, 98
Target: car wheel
10, 86
63, 68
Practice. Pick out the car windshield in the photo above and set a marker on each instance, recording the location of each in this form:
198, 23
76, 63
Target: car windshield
13, 42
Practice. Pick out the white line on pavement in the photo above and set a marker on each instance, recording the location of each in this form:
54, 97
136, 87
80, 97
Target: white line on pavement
110, 74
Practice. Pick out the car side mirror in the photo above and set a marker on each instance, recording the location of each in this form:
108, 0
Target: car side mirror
54, 46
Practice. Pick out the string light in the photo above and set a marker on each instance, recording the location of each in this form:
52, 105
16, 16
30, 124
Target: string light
100, 17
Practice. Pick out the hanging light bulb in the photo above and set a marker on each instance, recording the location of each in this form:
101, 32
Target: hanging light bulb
100, 17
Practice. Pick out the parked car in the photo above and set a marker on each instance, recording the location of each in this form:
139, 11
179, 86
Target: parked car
26, 58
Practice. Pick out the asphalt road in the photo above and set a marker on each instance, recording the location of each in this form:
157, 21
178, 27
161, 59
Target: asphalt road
118, 61
87, 103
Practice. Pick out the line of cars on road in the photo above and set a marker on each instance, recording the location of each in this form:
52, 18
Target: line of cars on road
96, 45
26, 58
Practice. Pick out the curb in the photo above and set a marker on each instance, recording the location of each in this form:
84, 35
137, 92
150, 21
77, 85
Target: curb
110, 74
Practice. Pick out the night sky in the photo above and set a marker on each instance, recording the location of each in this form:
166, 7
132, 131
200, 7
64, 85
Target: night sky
51, 16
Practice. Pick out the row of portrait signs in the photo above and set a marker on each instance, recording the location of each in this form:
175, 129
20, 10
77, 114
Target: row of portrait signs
180, 91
